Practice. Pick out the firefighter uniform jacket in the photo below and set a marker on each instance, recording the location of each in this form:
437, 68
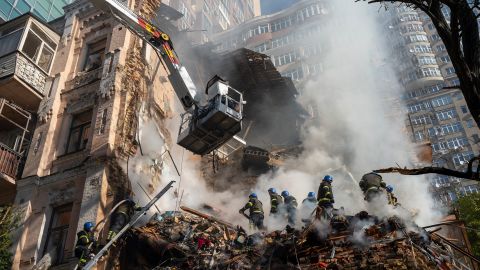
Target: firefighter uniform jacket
392, 199
275, 201
290, 202
254, 205
325, 193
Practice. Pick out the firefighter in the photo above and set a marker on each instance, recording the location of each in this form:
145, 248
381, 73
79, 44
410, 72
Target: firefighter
308, 206
291, 206
276, 201
122, 216
372, 185
254, 205
325, 197
392, 200
85, 243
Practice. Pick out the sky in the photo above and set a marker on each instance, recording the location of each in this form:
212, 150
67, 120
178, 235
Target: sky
272, 6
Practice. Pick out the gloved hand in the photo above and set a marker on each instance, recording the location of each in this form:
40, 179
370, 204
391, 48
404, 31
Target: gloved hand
91, 255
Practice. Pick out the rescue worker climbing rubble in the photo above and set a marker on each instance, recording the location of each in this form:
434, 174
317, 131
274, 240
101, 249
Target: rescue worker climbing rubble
255, 207
85, 244
122, 216
392, 200
291, 207
325, 198
372, 185
276, 201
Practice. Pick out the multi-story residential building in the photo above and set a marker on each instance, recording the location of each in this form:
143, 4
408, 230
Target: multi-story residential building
84, 87
289, 37
435, 114
202, 18
46, 10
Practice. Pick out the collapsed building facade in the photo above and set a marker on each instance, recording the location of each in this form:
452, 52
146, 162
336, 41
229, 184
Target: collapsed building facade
85, 105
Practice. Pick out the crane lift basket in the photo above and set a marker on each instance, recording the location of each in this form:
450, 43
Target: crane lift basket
203, 128
207, 128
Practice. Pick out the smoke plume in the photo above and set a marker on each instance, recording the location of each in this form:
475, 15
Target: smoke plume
354, 131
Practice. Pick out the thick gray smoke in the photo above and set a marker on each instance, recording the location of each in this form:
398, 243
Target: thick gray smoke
354, 131
356, 128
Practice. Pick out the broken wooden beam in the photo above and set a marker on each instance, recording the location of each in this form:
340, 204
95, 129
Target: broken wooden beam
207, 217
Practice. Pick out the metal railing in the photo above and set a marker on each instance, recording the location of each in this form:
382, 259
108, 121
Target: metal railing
9, 161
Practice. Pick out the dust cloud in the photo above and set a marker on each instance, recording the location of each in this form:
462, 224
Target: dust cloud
355, 129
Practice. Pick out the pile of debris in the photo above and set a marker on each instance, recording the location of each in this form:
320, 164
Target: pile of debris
194, 240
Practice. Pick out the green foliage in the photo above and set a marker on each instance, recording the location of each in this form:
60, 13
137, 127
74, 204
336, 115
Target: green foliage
8, 222
469, 210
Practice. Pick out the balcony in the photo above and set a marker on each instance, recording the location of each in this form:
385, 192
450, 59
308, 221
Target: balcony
21, 80
27, 49
14, 131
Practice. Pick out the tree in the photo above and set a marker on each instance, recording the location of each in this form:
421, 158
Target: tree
8, 223
461, 39
469, 211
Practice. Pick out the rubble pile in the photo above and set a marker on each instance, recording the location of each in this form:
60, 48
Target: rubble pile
180, 240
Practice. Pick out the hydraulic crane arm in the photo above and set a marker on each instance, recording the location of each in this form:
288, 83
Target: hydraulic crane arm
161, 42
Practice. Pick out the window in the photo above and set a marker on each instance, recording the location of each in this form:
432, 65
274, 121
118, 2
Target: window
470, 123
439, 146
422, 48
295, 74
441, 101
57, 232
285, 59
415, 107
462, 158
475, 138
445, 59
450, 70
95, 55
464, 109
440, 48
455, 143
79, 132
447, 114
451, 128
430, 26
470, 189
419, 136
421, 120
39, 49
431, 72
281, 24
427, 60
435, 37
261, 48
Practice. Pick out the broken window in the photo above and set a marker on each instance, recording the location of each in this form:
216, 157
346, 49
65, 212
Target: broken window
95, 55
79, 132
57, 233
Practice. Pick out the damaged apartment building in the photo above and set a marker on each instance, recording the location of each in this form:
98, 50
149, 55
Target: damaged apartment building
69, 96
71, 90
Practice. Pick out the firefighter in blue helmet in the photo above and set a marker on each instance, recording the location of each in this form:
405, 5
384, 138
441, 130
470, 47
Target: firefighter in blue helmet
122, 216
255, 207
291, 206
276, 201
325, 197
85, 243
308, 206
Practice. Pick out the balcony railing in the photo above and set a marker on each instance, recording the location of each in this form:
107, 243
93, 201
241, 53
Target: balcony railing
9, 161
16, 63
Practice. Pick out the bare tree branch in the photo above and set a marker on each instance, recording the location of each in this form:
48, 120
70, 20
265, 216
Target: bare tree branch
469, 174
